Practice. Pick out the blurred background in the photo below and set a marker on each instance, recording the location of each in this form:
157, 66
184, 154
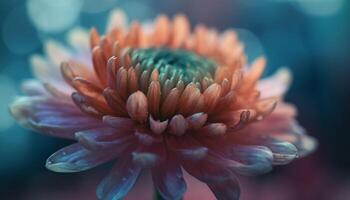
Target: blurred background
311, 37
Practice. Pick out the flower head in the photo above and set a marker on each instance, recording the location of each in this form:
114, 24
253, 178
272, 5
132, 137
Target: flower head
164, 98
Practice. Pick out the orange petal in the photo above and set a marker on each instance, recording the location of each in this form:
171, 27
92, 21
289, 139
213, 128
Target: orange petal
211, 96
84, 105
265, 106
100, 64
169, 105
112, 71
115, 101
254, 74
153, 97
94, 38
157, 126
133, 84
181, 29
214, 129
178, 125
162, 30
137, 106
121, 82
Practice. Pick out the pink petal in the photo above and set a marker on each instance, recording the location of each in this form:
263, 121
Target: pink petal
218, 177
250, 160
196, 189
276, 85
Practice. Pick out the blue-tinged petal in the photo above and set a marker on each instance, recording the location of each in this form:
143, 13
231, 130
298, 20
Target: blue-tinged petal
212, 169
145, 159
187, 148
251, 160
119, 122
217, 175
52, 116
304, 143
226, 190
76, 158
283, 152
33, 87
119, 182
105, 137
169, 181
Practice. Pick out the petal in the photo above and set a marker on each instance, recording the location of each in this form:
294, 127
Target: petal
296, 135
79, 39
119, 182
56, 52
76, 158
121, 123
196, 189
227, 190
276, 85
169, 181
145, 159
51, 116
186, 147
251, 160
116, 19
137, 106
283, 152
33, 87
218, 177
102, 138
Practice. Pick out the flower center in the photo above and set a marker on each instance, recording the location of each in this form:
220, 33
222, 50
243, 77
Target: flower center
179, 64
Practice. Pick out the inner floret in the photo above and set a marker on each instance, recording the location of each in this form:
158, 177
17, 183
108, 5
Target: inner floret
176, 64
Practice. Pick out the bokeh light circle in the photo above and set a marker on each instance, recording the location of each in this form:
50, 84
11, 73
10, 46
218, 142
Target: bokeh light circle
320, 7
54, 15
252, 44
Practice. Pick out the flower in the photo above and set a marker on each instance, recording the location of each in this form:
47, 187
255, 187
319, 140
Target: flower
160, 97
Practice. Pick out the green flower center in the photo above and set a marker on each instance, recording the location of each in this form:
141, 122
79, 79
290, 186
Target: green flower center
180, 64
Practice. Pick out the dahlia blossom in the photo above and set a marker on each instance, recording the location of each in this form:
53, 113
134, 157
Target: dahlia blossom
163, 98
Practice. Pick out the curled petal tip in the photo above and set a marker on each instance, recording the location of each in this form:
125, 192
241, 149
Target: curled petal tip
157, 127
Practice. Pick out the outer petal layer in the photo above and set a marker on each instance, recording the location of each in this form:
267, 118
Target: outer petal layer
50, 116
76, 158
119, 182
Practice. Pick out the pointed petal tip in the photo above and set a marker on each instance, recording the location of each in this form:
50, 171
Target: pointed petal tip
157, 126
